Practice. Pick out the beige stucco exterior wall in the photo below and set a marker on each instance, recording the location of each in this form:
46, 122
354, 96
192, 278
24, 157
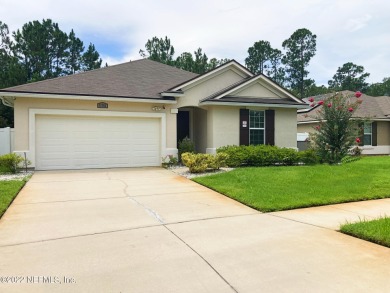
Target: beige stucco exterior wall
286, 128
216, 82
223, 126
22, 106
306, 127
199, 123
256, 90
383, 128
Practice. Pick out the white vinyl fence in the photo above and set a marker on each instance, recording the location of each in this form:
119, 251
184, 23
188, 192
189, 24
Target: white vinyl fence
6, 140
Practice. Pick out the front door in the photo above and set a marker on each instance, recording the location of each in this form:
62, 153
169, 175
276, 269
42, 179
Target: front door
183, 125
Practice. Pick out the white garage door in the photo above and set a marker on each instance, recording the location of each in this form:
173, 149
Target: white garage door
75, 142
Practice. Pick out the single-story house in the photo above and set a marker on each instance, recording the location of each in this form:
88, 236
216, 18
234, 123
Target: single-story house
374, 111
133, 114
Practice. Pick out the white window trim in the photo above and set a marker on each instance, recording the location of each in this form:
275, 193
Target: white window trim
34, 112
250, 128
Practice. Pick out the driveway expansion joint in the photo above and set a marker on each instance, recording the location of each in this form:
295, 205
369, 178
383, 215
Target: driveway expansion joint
209, 264
79, 235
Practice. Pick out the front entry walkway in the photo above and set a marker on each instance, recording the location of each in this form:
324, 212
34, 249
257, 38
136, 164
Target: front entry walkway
150, 230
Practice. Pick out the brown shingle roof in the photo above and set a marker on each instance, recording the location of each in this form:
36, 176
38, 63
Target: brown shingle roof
137, 79
371, 107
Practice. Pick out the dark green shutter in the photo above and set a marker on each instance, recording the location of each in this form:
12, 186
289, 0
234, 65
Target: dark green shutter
374, 129
244, 127
270, 127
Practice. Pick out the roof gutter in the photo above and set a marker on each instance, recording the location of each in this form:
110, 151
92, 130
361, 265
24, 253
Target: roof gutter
88, 98
7, 102
172, 94
255, 104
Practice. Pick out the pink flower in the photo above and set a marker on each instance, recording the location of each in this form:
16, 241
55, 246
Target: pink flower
330, 105
357, 140
312, 105
320, 102
318, 127
358, 94
350, 109
311, 100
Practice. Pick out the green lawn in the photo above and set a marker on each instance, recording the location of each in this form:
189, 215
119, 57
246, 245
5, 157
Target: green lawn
281, 188
377, 231
8, 191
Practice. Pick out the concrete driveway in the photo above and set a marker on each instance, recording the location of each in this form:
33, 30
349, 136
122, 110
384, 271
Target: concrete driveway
150, 230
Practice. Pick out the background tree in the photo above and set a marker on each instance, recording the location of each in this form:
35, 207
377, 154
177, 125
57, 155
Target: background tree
11, 72
45, 51
200, 63
76, 47
349, 77
185, 61
91, 59
380, 88
314, 90
275, 70
259, 56
159, 50
214, 62
40, 50
300, 48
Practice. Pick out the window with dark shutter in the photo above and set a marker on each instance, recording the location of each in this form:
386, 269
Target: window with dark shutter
244, 127
374, 128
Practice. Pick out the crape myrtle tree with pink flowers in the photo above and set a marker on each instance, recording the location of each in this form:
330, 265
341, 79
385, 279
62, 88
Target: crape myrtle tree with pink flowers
336, 134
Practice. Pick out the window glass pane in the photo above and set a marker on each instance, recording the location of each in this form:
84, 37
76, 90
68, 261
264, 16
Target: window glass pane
256, 136
256, 119
367, 128
367, 139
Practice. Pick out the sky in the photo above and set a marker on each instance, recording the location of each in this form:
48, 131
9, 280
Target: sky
355, 31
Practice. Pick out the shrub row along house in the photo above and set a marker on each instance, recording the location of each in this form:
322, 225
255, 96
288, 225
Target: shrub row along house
133, 114
374, 113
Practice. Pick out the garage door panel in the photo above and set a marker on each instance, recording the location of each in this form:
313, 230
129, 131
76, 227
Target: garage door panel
74, 142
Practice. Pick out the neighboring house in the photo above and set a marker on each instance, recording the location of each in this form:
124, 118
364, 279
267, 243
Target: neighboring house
375, 111
133, 114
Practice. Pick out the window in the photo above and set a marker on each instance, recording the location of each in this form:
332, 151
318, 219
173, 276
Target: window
256, 127
367, 133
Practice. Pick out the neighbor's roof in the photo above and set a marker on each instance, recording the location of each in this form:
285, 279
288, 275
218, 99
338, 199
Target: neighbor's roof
136, 79
375, 108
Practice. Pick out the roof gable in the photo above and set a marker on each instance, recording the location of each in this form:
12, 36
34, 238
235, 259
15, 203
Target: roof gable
232, 65
256, 87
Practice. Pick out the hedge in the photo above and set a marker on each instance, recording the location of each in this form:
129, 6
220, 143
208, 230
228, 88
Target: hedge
266, 155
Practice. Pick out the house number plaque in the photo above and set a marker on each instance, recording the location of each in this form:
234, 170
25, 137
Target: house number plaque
102, 105
244, 124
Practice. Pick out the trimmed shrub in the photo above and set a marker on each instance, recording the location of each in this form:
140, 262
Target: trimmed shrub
186, 145
309, 157
9, 163
198, 163
217, 161
237, 155
265, 155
